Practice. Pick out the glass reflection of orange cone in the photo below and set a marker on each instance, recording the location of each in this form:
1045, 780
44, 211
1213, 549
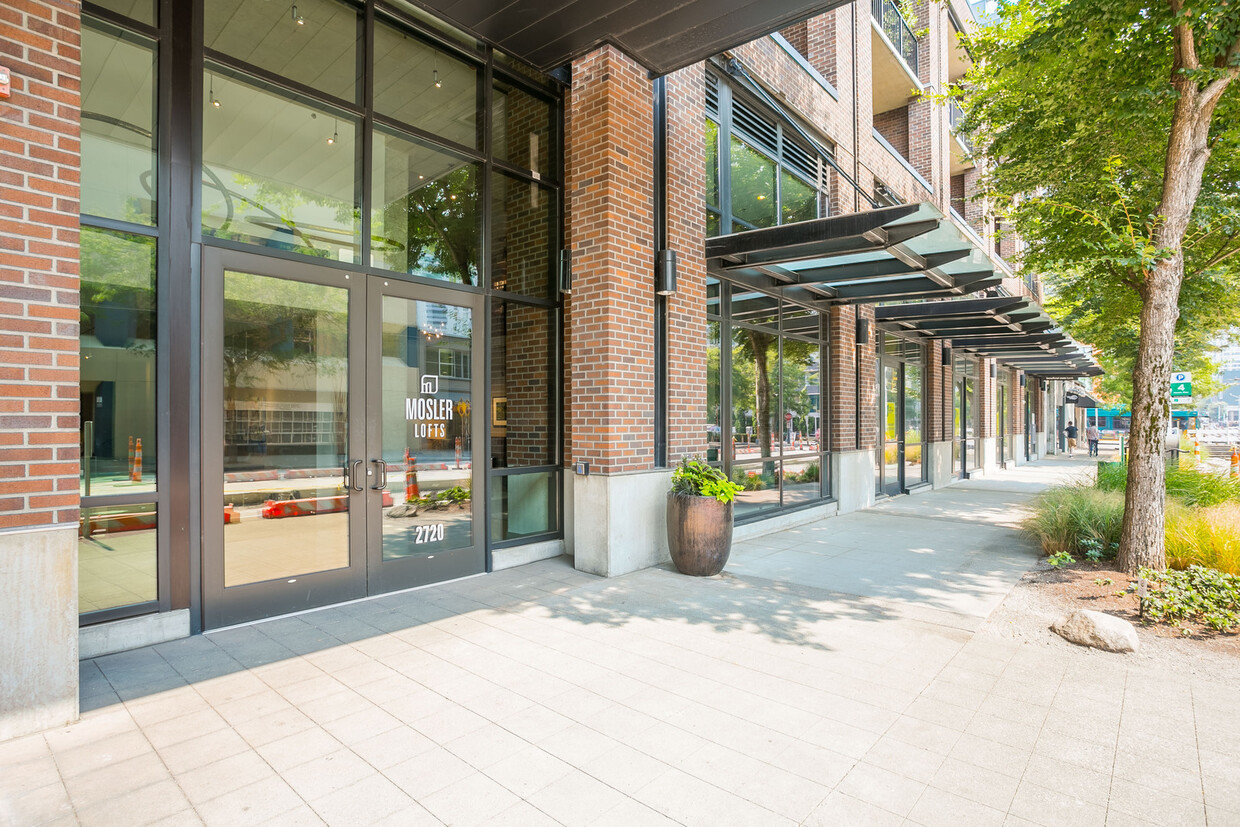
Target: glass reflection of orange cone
1235, 461
136, 474
411, 478
130, 457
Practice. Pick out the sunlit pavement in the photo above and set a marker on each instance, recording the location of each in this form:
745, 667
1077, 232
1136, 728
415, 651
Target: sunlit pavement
830, 676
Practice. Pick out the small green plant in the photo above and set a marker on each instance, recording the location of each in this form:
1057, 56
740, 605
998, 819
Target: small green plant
695, 478
1061, 558
1196, 593
1104, 581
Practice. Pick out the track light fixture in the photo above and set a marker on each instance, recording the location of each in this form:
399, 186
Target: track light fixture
335, 133
297, 18
211, 98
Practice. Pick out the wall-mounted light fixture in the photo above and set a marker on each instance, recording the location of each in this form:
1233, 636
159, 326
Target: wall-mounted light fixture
665, 272
947, 355
566, 272
1042, 385
1022, 380
994, 369
863, 332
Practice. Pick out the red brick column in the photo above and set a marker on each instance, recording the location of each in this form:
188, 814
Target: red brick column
840, 402
40, 141
610, 168
40, 42
686, 234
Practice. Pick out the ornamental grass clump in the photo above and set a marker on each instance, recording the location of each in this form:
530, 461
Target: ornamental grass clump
1191, 484
1076, 518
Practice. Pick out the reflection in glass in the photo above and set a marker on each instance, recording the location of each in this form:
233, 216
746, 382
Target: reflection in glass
424, 218
140, 10
425, 420
523, 221
424, 86
313, 42
285, 428
117, 557
522, 129
755, 401
798, 200
118, 126
277, 172
117, 363
753, 186
755, 309
712, 163
522, 365
760, 487
713, 412
522, 505
913, 465
801, 480
799, 396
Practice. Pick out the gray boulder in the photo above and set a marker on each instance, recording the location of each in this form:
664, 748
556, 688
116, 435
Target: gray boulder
1098, 630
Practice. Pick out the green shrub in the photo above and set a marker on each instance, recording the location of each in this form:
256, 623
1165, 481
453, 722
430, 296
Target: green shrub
1192, 485
1076, 518
696, 478
1195, 593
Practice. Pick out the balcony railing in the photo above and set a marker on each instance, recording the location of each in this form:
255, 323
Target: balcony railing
897, 29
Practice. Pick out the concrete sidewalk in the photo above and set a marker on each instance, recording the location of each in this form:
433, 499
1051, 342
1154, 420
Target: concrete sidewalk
831, 676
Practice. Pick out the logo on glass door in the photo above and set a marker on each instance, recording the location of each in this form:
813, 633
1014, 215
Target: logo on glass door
430, 416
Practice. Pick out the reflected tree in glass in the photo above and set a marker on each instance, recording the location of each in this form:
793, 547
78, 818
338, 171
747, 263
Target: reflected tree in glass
441, 221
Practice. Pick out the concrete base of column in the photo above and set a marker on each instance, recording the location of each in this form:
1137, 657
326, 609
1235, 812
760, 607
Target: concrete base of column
1040, 444
854, 478
990, 462
619, 521
132, 633
39, 619
940, 464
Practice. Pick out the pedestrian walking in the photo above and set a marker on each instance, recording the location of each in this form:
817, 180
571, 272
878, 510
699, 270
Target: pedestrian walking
1072, 432
1092, 435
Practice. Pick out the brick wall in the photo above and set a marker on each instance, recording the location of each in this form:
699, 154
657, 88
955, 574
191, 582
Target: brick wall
609, 172
894, 126
798, 36
841, 411
40, 42
686, 234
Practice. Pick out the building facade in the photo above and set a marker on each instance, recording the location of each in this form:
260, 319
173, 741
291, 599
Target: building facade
312, 302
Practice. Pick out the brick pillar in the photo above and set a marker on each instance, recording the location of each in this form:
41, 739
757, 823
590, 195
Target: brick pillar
618, 511
841, 401
39, 172
686, 234
820, 44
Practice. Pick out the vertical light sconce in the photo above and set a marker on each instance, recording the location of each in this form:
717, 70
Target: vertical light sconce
863, 332
994, 370
665, 272
566, 272
947, 356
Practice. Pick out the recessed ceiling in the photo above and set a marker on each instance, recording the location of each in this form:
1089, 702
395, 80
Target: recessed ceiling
662, 35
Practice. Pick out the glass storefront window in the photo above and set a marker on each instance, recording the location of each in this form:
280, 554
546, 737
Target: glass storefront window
278, 172
752, 175
118, 126
117, 557
522, 128
425, 87
312, 42
523, 230
522, 384
714, 424
914, 467
712, 164
118, 363
755, 393
799, 395
425, 219
144, 11
759, 483
523, 505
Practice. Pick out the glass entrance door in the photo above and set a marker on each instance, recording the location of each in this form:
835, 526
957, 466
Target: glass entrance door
338, 436
425, 525
891, 429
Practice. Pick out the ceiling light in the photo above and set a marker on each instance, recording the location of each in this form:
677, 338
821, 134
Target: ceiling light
297, 18
335, 133
214, 101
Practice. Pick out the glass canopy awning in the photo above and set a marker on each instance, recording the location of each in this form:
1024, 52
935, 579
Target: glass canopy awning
902, 253
1010, 329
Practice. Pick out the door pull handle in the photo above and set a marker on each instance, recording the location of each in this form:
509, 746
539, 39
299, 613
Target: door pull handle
382, 486
354, 465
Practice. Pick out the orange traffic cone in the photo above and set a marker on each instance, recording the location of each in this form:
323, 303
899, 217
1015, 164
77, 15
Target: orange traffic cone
1235, 461
411, 478
135, 474
130, 458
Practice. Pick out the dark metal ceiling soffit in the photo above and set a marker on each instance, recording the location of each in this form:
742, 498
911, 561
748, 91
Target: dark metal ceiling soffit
1012, 330
907, 252
661, 35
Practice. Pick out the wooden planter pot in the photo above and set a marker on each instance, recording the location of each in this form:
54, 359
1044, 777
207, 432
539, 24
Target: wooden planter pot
699, 533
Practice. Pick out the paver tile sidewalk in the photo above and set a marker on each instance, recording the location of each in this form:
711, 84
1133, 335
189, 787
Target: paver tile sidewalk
831, 676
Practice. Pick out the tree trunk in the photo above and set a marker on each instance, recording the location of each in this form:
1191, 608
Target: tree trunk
1142, 539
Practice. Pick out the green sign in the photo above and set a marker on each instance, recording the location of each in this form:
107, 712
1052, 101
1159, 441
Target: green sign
1181, 388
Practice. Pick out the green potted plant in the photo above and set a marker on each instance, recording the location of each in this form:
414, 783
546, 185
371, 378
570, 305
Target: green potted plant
699, 518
